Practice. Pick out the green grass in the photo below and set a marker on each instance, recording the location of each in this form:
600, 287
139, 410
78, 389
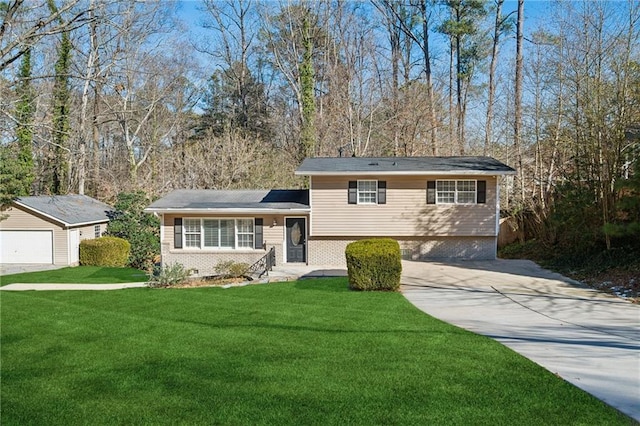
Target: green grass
300, 353
78, 274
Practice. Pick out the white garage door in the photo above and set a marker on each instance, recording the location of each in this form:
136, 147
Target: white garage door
26, 247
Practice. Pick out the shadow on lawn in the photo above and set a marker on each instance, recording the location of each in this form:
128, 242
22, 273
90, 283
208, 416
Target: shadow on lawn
326, 284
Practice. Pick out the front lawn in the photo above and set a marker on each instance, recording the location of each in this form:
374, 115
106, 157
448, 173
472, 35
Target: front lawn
79, 275
299, 353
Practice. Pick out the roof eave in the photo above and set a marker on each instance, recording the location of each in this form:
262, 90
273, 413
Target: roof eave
93, 222
407, 173
222, 211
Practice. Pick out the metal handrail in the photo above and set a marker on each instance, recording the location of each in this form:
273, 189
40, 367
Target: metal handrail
265, 264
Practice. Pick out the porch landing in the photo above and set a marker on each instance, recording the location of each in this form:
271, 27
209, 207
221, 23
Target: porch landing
291, 272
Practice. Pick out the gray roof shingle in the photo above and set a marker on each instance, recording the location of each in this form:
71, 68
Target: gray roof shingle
209, 199
402, 165
68, 209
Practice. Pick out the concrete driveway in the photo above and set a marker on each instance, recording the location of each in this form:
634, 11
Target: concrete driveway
16, 268
590, 339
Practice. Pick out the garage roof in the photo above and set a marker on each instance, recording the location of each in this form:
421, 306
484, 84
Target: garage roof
70, 210
456, 165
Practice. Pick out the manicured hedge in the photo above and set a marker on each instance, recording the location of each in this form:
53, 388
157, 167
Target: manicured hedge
105, 251
374, 264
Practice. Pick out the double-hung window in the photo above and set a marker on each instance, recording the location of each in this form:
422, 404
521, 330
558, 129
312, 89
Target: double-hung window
96, 231
456, 192
367, 192
219, 233
192, 233
245, 233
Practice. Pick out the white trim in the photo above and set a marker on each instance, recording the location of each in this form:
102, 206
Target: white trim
497, 206
169, 210
405, 173
310, 206
306, 239
161, 228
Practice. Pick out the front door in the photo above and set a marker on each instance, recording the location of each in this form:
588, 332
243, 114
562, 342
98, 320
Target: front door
74, 246
296, 239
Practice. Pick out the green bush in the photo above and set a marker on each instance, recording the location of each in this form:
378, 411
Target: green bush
374, 264
168, 275
231, 269
142, 230
105, 251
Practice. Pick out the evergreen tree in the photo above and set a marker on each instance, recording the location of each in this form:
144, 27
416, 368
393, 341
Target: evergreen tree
236, 104
24, 132
16, 158
307, 84
60, 138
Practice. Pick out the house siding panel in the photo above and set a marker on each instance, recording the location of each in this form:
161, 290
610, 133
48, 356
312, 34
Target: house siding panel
405, 214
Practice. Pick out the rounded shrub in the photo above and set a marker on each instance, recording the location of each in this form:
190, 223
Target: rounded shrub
105, 251
374, 264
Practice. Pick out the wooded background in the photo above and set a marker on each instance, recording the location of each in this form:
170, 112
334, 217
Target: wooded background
108, 96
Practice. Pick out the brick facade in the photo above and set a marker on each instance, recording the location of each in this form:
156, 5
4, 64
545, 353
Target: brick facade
205, 261
330, 251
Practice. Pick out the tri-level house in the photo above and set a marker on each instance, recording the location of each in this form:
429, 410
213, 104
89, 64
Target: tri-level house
435, 207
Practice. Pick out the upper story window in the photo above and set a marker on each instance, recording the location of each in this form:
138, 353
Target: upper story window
457, 191
367, 192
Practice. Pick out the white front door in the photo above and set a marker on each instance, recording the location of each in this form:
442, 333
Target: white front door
74, 246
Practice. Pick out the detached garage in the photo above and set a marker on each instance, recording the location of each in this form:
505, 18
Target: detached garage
48, 229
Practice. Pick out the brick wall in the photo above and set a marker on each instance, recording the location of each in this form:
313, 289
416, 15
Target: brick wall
206, 261
331, 251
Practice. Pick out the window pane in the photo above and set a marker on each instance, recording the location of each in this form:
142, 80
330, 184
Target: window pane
245, 225
192, 240
191, 225
446, 185
466, 197
211, 233
245, 240
227, 233
446, 197
466, 185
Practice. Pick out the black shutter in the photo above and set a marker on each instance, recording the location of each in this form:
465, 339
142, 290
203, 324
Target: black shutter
431, 192
382, 192
353, 192
258, 236
482, 192
177, 232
